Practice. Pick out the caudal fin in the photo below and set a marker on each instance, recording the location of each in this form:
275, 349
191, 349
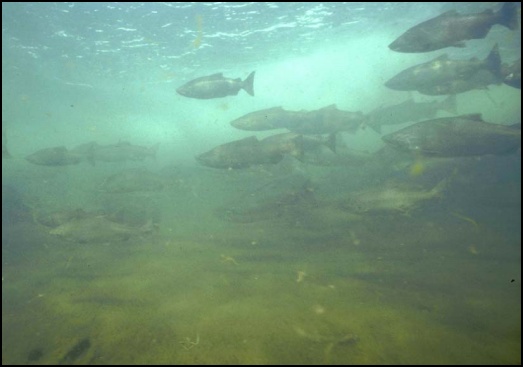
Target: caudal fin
248, 84
449, 105
493, 62
508, 16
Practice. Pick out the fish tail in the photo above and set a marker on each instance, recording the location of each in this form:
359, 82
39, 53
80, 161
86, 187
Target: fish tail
295, 148
493, 62
508, 16
248, 84
331, 142
449, 105
438, 189
374, 125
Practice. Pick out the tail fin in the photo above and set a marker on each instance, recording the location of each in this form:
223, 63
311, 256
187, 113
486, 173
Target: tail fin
331, 142
449, 105
437, 190
493, 62
374, 125
248, 84
295, 147
508, 16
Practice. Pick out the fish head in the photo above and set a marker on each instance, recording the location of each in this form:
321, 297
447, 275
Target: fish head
413, 41
247, 122
403, 140
216, 158
185, 90
402, 81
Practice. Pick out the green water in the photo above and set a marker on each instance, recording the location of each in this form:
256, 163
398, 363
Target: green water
319, 287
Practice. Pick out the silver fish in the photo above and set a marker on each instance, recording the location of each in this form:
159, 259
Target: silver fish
216, 86
466, 135
451, 29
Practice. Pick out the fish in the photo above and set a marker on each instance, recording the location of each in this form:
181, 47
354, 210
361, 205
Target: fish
512, 74
134, 180
409, 111
391, 198
308, 142
250, 151
120, 152
450, 29
459, 136
216, 86
286, 205
442, 75
56, 218
269, 119
328, 120
98, 228
56, 156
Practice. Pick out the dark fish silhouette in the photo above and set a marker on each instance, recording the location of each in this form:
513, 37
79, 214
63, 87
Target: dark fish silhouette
269, 119
409, 111
120, 152
466, 135
56, 156
443, 76
451, 29
216, 86
328, 120
250, 151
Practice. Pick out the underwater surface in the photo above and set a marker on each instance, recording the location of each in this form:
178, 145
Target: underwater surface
120, 247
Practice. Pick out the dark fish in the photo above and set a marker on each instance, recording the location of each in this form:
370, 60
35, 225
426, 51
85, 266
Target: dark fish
269, 119
57, 156
409, 111
57, 218
444, 76
390, 198
249, 151
216, 86
98, 228
308, 142
466, 135
330, 120
512, 74
451, 29
120, 152
75, 352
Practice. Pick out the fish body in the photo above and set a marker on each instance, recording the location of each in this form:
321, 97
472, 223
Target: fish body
249, 151
308, 142
328, 120
216, 86
91, 228
409, 111
56, 156
443, 76
392, 198
466, 135
450, 29
120, 152
269, 119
